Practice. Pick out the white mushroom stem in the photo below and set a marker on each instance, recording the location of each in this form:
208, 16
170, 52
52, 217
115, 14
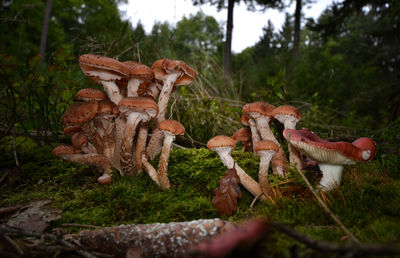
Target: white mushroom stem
249, 183
163, 163
255, 137
112, 91
105, 127
150, 170
156, 139
132, 121
295, 157
141, 145
118, 136
331, 175
133, 87
265, 132
153, 90
265, 159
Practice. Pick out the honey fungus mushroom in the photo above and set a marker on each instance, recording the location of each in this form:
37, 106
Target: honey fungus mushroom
223, 145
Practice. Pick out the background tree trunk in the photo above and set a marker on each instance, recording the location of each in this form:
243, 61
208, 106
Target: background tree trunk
297, 25
228, 43
45, 29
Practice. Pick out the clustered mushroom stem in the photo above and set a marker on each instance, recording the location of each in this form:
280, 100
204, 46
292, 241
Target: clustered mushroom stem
294, 157
93, 137
163, 163
249, 183
165, 95
153, 90
331, 175
254, 133
263, 174
119, 130
265, 131
132, 121
150, 170
133, 87
112, 91
141, 145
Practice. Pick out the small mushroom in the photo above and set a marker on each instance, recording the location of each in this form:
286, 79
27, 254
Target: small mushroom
106, 71
69, 131
81, 114
171, 72
80, 141
89, 94
135, 109
266, 150
331, 156
243, 135
289, 116
138, 73
260, 112
223, 145
170, 128
71, 154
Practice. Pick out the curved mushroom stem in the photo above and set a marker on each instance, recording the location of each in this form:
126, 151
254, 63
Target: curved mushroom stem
295, 157
249, 183
331, 176
141, 145
127, 162
97, 160
118, 136
254, 133
153, 90
133, 87
106, 127
112, 91
150, 170
163, 163
156, 139
265, 159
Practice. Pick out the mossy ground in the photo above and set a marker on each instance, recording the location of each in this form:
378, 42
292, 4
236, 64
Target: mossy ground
368, 202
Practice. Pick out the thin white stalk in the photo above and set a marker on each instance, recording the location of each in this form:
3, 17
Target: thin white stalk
163, 163
331, 176
112, 91
133, 87
150, 170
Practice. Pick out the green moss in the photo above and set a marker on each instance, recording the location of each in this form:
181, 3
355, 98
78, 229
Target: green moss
368, 202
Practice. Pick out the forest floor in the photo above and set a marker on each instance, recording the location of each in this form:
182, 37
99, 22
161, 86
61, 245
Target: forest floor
367, 202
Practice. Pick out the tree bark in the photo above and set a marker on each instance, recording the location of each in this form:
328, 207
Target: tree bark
228, 43
45, 29
297, 25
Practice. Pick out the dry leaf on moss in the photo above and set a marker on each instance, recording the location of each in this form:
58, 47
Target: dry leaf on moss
226, 195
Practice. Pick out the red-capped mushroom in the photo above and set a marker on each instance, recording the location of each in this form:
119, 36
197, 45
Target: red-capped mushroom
331, 156
223, 145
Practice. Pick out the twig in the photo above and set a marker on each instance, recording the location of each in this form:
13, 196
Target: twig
323, 246
50, 237
79, 225
14, 244
326, 208
7, 210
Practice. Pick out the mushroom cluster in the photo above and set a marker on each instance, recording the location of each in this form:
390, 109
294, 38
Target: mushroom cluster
111, 130
303, 145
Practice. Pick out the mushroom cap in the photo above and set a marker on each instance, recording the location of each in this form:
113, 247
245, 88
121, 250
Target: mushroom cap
165, 66
245, 120
139, 71
90, 63
262, 108
335, 153
62, 150
80, 113
243, 134
286, 110
71, 130
366, 143
139, 104
79, 140
172, 126
221, 141
107, 108
89, 94
266, 145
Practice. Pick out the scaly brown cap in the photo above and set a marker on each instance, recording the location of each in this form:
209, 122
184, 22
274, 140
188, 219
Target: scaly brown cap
65, 150
139, 71
163, 67
286, 110
172, 126
266, 145
107, 107
243, 134
80, 113
71, 130
221, 141
263, 108
245, 120
89, 94
139, 104
90, 62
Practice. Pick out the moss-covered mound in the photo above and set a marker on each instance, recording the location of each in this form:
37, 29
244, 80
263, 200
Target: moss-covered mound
368, 201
